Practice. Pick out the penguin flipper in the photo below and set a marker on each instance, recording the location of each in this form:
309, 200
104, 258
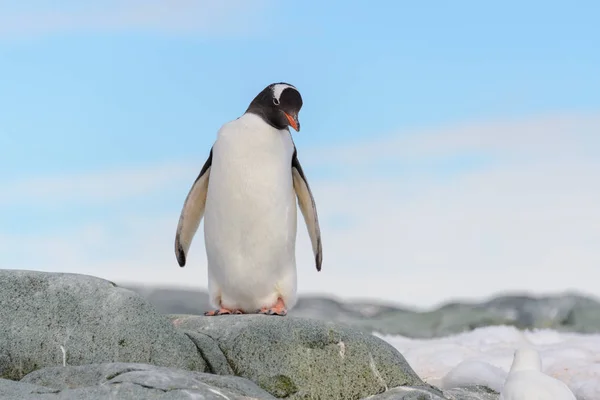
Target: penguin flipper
308, 208
192, 213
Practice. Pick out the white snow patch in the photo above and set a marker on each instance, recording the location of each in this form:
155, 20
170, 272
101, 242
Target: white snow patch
485, 355
526, 381
474, 372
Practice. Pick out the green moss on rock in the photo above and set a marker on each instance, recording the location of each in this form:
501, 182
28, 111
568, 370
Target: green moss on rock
280, 386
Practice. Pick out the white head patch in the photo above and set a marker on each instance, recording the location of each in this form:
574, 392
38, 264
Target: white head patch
279, 88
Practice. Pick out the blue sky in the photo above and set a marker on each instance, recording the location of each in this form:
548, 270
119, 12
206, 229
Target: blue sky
108, 111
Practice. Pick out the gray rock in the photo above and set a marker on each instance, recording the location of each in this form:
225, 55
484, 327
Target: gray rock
10, 390
126, 391
410, 393
583, 318
138, 381
174, 300
48, 319
130, 391
564, 312
431, 393
471, 393
230, 386
211, 353
300, 358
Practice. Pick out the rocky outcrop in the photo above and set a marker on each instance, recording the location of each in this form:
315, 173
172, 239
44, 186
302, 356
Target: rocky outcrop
140, 381
569, 312
137, 381
431, 393
300, 358
68, 319
68, 336
11, 390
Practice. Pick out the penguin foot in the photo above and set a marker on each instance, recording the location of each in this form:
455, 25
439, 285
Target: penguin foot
222, 311
277, 309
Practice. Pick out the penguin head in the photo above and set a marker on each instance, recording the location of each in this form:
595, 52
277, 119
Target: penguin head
278, 104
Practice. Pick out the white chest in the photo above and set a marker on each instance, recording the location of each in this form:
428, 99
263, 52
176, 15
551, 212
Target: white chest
252, 156
250, 217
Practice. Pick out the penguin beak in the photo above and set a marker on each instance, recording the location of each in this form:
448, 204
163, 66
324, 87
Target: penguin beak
293, 120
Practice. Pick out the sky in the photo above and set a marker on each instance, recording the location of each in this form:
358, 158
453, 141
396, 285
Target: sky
453, 149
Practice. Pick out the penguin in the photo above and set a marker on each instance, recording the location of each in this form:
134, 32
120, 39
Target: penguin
246, 192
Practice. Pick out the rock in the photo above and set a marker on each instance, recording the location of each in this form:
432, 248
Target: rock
139, 381
174, 300
431, 393
409, 393
69, 336
565, 312
582, 318
50, 319
10, 390
211, 353
299, 358
471, 393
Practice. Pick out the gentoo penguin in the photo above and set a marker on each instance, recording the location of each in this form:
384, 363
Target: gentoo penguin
526, 381
246, 192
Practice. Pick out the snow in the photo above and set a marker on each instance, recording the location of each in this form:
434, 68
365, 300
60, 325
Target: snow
484, 356
526, 381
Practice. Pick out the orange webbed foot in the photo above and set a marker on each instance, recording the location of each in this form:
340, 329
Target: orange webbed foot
277, 309
222, 311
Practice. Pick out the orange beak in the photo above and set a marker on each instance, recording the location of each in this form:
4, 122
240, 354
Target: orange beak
293, 121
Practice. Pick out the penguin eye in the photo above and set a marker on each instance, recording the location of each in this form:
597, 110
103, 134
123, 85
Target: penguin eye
275, 101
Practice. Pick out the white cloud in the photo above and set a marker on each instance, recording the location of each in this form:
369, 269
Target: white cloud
546, 136
95, 187
529, 220
166, 16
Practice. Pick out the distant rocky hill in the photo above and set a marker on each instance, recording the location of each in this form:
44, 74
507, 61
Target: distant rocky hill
568, 312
